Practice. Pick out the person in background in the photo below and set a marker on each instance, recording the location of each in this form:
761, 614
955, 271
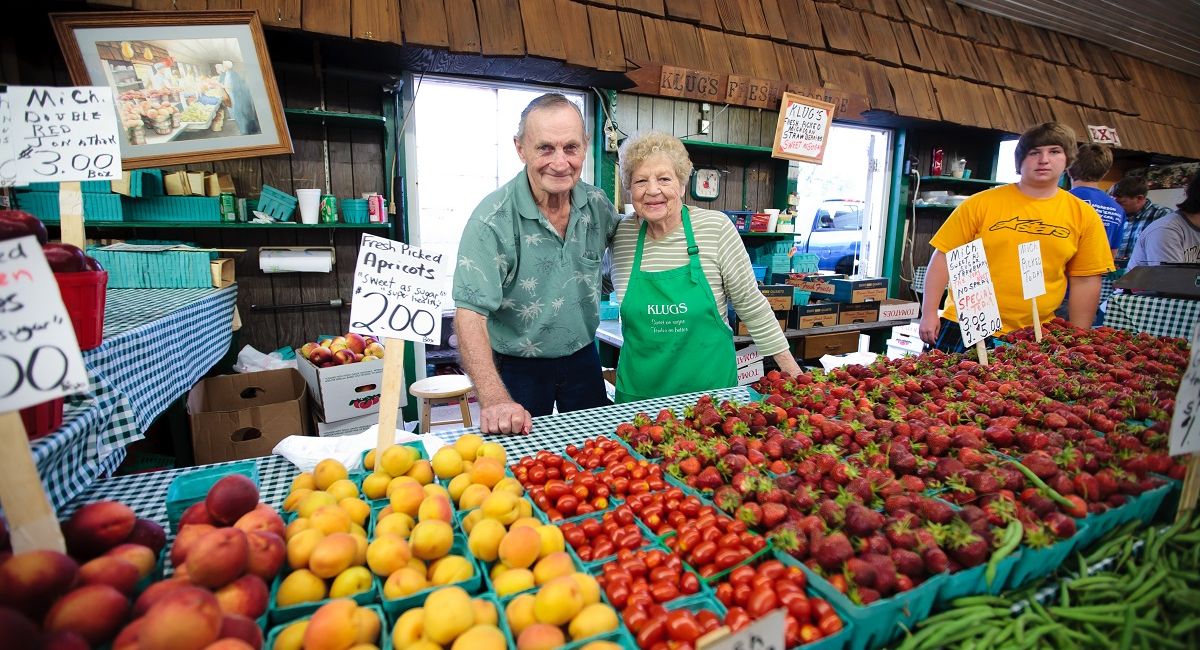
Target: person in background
1175, 238
527, 284
1075, 251
1140, 212
1092, 162
240, 103
675, 270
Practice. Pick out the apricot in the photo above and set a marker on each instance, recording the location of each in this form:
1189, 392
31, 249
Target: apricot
492, 450
540, 636
422, 471
296, 525
332, 626
512, 581
292, 502
367, 624
398, 523
112, 571
97, 527
469, 520
185, 619
218, 558
593, 619
448, 613
265, 554
299, 586
375, 485
447, 463
300, 547
234, 626
451, 569
510, 485
369, 460
353, 580
398, 459
433, 489
230, 498
435, 507
473, 496
487, 471
481, 637
330, 520
409, 628
528, 522
292, 636
467, 444
520, 548
406, 496
187, 537
484, 539
358, 509
403, 582
141, 557
332, 555
552, 566
263, 517
229, 644
343, 489
456, 487
388, 554
33, 580
327, 472
519, 613
149, 534
485, 612
589, 589
313, 502
601, 645
431, 539
558, 601
360, 548
246, 596
501, 506
197, 513
303, 480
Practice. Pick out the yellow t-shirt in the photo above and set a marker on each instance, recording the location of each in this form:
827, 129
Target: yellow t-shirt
1072, 237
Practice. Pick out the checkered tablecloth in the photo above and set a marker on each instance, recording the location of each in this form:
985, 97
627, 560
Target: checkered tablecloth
146, 493
1152, 314
157, 343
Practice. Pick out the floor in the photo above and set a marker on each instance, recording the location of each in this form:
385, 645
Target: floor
453, 412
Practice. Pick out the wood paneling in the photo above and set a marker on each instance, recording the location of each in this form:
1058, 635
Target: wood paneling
843, 29
375, 20
753, 19
500, 30
730, 12
276, 13
685, 10
882, 39
541, 17
573, 18
606, 39
332, 17
633, 37
462, 28
424, 23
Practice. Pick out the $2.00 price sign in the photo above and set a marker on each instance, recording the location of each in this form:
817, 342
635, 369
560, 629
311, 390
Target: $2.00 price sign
398, 291
39, 355
974, 294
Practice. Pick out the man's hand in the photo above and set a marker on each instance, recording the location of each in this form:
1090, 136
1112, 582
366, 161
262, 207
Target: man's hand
505, 418
930, 325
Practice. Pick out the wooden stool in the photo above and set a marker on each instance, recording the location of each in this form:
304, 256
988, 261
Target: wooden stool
442, 389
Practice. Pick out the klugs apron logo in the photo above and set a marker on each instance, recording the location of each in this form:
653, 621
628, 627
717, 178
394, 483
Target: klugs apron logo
663, 310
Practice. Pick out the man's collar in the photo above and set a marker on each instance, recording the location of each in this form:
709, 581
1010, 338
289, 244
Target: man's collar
527, 206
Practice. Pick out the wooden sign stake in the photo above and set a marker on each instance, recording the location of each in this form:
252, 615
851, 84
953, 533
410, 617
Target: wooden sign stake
981, 349
1037, 321
32, 523
389, 399
70, 210
1191, 488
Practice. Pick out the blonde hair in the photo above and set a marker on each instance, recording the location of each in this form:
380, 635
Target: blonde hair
638, 148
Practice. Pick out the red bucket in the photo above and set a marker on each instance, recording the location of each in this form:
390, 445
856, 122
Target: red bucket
83, 294
44, 418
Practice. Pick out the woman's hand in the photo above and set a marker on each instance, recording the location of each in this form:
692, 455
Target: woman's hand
931, 324
787, 363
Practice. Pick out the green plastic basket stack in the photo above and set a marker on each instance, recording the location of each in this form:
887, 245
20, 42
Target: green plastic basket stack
277, 203
174, 208
98, 204
155, 270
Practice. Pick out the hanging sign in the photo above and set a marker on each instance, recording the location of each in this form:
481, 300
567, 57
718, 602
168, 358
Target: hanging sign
8, 163
802, 130
1184, 437
1104, 135
64, 134
1033, 274
398, 290
974, 294
39, 355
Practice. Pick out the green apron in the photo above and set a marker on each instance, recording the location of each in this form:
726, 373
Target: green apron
675, 340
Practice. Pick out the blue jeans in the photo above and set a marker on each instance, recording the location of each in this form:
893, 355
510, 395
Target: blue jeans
573, 381
949, 339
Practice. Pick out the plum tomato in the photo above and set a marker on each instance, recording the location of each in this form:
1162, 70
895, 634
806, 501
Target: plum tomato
683, 626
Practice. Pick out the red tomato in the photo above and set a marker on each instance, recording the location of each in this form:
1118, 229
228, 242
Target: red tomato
602, 548
584, 553
634, 566
809, 633
618, 594
635, 618
708, 620
590, 527
727, 557
820, 607
536, 475
725, 593
575, 536
838, 581
829, 624
791, 632
742, 574
663, 574
556, 488
640, 599
663, 591
623, 516
683, 626
689, 583
761, 601
737, 619
797, 605
741, 594
580, 491
567, 504
771, 569
703, 553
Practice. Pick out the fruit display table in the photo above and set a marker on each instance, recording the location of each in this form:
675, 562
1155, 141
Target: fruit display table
157, 343
1155, 315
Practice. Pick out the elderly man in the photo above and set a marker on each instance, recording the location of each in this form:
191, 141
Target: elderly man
528, 281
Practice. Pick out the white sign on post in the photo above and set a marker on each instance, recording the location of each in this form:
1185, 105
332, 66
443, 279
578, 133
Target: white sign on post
64, 134
8, 163
39, 355
1184, 437
767, 633
397, 291
974, 294
1033, 274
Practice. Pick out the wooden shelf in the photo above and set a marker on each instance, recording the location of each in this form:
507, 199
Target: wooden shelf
223, 224
768, 235
337, 117
982, 182
745, 148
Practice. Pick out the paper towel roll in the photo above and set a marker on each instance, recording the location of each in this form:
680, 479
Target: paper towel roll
288, 261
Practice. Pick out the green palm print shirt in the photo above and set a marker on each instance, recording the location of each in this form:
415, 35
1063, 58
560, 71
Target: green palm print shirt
540, 292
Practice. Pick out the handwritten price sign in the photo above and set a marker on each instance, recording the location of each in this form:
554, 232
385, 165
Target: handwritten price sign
64, 134
974, 294
8, 164
397, 291
1184, 437
1033, 273
764, 634
39, 356
802, 130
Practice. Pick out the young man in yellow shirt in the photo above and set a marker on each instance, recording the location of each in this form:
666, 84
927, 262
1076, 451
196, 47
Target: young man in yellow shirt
1074, 245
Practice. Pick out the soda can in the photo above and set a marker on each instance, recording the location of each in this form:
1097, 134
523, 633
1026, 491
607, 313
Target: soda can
328, 208
228, 207
375, 208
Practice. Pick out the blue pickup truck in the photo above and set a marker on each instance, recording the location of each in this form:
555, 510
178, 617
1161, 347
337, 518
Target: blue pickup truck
834, 236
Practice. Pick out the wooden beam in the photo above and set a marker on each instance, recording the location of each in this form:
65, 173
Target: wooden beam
606, 39
540, 17
424, 23
462, 26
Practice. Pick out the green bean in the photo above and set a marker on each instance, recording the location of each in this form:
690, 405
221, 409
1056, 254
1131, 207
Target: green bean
1127, 631
972, 601
1155, 638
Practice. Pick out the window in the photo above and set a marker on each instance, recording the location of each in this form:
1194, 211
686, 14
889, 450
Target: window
1006, 171
460, 150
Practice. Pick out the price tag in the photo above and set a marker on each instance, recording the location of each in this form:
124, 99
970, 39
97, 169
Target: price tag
1033, 274
64, 134
1185, 423
764, 634
8, 163
397, 291
39, 355
974, 294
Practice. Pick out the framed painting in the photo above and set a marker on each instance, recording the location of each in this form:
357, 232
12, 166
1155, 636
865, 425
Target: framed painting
187, 86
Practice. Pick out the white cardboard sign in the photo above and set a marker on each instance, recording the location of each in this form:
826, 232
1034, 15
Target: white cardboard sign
8, 162
397, 291
39, 355
974, 294
1185, 423
1033, 273
64, 134
764, 634
1101, 134
802, 128
747, 356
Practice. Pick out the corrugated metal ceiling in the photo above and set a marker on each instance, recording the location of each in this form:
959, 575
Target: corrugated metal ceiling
1163, 31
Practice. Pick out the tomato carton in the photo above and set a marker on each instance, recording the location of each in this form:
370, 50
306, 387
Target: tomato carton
345, 391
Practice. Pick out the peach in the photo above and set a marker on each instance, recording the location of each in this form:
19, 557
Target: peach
218, 558
519, 613
558, 601
481, 637
409, 628
149, 534
332, 555
197, 513
591, 620
292, 636
448, 613
512, 581
406, 496
552, 566
431, 539
240, 627
398, 459
396, 522
451, 569
266, 553
368, 625
127, 638
375, 485
541, 636
17, 630
484, 540
327, 472
520, 548
485, 612
354, 580
64, 640
97, 527
246, 596
229, 644
230, 498
422, 471
156, 592
112, 571
299, 586
262, 517
186, 619
141, 557
403, 582
435, 507
33, 580
387, 554
95, 612
184, 541
301, 546
332, 626
589, 589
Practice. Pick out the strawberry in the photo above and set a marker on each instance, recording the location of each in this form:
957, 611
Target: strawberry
709, 479
947, 467
861, 521
789, 539
935, 511
885, 571
1041, 464
727, 499
831, 512
1061, 525
750, 514
832, 551
935, 560
773, 514
908, 563
690, 466
860, 572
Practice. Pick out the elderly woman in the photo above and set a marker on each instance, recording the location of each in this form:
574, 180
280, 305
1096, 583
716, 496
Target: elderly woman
675, 269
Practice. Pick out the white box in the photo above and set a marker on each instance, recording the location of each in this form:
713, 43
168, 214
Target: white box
912, 331
892, 309
346, 391
351, 426
750, 373
916, 346
747, 356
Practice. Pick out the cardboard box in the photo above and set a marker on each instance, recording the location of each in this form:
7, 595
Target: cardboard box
823, 314
215, 184
747, 356
817, 284
344, 392
245, 415
815, 347
780, 296
741, 325
176, 184
863, 312
892, 309
912, 331
916, 346
750, 373
859, 289
196, 183
350, 426
222, 272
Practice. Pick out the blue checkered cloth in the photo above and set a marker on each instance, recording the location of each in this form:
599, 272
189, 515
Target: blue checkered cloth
1152, 314
157, 344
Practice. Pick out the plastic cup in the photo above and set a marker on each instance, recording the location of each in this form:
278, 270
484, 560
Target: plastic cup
310, 205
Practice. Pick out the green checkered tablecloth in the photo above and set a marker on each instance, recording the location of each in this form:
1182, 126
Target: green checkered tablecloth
157, 343
1152, 314
146, 493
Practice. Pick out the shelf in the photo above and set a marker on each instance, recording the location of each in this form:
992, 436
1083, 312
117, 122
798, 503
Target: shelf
964, 181
768, 235
337, 117
222, 224
747, 148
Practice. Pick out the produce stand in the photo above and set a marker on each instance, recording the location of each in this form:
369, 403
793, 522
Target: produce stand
157, 344
1157, 315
